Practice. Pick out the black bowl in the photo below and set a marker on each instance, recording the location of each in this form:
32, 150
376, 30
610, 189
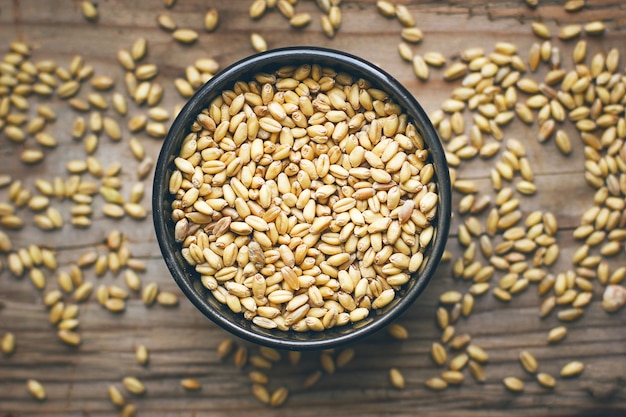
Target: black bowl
188, 279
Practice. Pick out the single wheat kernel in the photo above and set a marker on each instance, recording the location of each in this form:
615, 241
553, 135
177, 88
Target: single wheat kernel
128, 410
436, 384
90, 12
261, 393
166, 22
36, 389
452, 377
513, 384
557, 334
546, 380
69, 337
438, 353
116, 396
572, 369
258, 42
190, 384
185, 36
386, 8
396, 378
540, 30
141, 352
133, 385
257, 9
279, 397
398, 331
8, 344
528, 361
167, 299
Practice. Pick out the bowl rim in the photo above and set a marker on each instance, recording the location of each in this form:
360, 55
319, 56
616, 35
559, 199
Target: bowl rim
225, 79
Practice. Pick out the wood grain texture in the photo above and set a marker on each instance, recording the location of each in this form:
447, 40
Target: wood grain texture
182, 342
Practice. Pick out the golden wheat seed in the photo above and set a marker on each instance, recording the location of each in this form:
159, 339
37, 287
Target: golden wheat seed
312, 379
142, 355
224, 348
257, 9
327, 363
183, 87
146, 71
133, 385
528, 361
477, 371
574, 5
116, 396
185, 36
8, 344
594, 28
300, 20
36, 389
438, 353
261, 393
258, 377
541, 30
455, 71
386, 8
279, 396
436, 384
258, 42
458, 362
167, 299
447, 334
115, 305
546, 380
398, 331
396, 378
513, 384
570, 31
166, 22
452, 377
570, 314
557, 334
412, 34
69, 337
404, 16
128, 410
477, 353
90, 11
211, 20
190, 384
572, 369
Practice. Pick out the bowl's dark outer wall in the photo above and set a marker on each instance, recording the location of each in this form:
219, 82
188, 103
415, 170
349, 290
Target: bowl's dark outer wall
185, 275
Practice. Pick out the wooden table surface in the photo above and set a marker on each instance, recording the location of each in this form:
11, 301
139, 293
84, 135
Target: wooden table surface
182, 343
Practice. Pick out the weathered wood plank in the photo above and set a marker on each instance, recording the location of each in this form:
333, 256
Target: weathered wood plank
182, 342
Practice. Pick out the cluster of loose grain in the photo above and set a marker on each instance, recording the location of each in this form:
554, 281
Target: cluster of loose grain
186, 35
330, 19
410, 34
570, 6
496, 89
22, 77
72, 289
86, 187
304, 198
259, 362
